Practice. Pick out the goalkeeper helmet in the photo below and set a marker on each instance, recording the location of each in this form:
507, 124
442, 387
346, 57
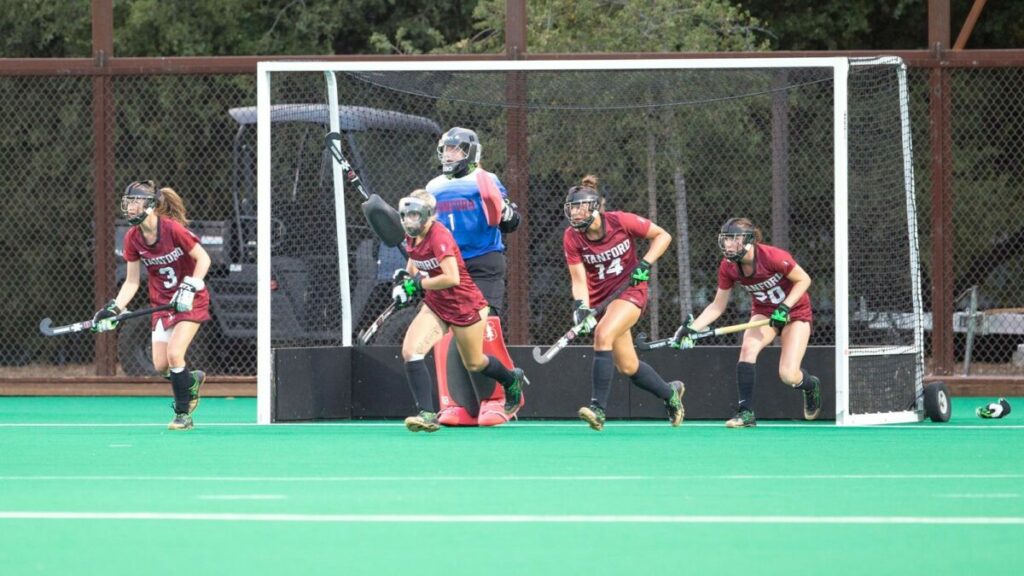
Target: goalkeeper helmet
459, 152
736, 237
582, 204
416, 210
139, 192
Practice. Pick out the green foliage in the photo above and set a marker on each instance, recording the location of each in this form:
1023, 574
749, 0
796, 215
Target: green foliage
45, 29
618, 26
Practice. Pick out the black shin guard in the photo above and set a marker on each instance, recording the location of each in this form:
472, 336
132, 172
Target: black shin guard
497, 371
420, 385
746, 377
180, 384
604, 371
648, 379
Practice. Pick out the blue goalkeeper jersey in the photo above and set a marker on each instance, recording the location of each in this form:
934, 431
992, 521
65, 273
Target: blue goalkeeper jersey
460, 207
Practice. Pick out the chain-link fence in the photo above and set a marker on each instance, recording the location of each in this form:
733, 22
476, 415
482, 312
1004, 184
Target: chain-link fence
180, 131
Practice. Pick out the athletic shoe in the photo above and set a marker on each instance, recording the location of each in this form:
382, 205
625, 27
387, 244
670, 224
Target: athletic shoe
593, 415
198, 377
812, 399
743, 419
456, 416
423, 422
514, 398
181, 421
674, 405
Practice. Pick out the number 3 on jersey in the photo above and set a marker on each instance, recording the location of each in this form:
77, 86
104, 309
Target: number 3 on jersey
614, 269
171, 279
775, 295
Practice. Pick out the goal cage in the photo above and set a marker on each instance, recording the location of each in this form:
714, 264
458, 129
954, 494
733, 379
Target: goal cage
816, 151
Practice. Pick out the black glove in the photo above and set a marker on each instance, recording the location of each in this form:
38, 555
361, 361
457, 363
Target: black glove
641, 274
509, 217
108, 311
780, 317
583, 315
103, 320
693, 332
407, 291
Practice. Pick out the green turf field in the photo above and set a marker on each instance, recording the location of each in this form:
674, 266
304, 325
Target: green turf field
99, 486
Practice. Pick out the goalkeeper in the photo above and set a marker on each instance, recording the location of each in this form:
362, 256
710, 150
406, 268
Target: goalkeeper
474, 205
175, 264
778, 287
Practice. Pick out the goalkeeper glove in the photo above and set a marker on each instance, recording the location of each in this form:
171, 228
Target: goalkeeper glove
509, 217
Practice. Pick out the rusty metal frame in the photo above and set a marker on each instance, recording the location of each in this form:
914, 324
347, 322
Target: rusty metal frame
103, 66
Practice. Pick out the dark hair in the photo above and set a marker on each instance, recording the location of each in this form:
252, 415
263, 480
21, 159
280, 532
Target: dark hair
743, 224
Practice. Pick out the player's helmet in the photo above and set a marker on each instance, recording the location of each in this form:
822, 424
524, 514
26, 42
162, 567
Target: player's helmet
466, 141
736, 229
415, 212
146, 191
586, 197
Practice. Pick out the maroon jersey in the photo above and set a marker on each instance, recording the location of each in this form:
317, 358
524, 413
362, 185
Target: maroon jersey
167, 263
768, 285
459, 305
610, 261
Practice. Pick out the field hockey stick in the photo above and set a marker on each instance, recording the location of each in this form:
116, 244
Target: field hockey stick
568, 337
47, 328
368, 333
333, 143
643, 344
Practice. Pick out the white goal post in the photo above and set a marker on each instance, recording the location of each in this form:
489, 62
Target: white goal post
806, 137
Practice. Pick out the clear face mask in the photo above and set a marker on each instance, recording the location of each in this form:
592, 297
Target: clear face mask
580, 214
414, 214
135, 209
733, 246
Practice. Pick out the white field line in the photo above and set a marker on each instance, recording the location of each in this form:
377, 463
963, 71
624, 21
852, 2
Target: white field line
512, 478
397, 424
509, 519
243, 497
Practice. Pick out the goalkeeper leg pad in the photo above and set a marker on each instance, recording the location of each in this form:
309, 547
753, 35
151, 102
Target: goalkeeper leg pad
459, 406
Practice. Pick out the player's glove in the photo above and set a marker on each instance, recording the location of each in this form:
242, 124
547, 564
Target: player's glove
641, 274
509, 217
407, 290
686, 336
186, 293
780, 317
105, 318
994, 409
583, 317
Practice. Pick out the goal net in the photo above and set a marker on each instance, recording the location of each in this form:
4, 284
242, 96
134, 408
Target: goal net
816, 151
